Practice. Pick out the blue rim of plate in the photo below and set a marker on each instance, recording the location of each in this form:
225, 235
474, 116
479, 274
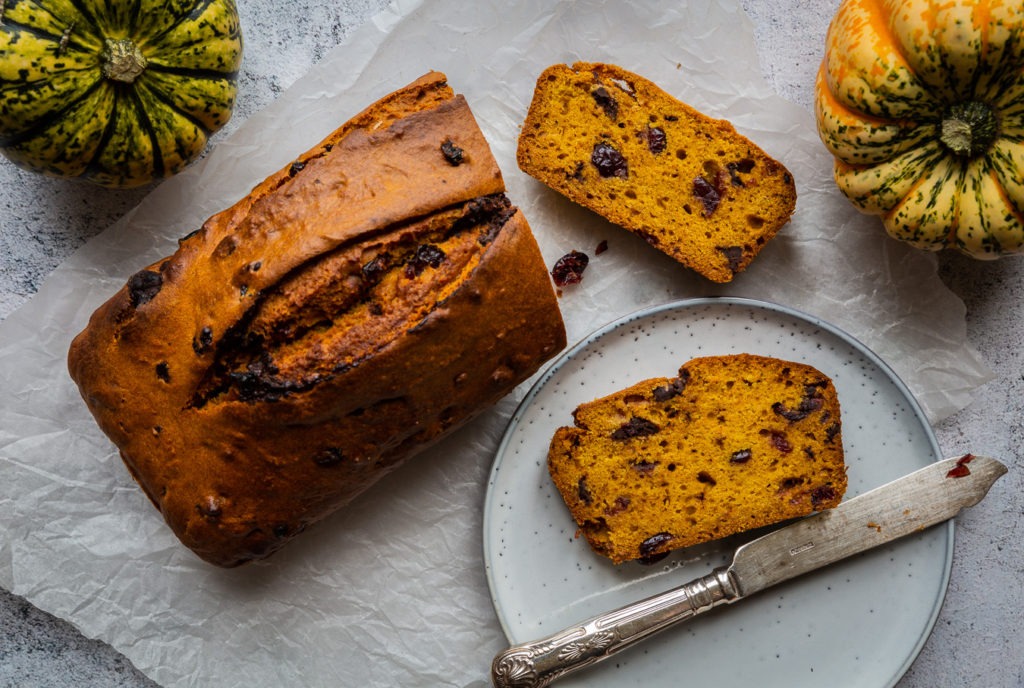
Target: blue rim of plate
570, 353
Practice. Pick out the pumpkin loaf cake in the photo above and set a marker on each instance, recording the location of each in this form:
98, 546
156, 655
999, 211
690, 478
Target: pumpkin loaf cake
731, 444
690, 185
356, 306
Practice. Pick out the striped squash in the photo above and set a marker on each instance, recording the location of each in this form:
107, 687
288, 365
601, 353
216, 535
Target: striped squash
922, 104
118, 92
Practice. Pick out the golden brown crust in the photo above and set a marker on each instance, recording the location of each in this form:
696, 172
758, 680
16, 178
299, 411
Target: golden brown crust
731, 444
690, 185
355, 307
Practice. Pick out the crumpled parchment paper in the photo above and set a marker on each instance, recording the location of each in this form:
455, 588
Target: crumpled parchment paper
392, 591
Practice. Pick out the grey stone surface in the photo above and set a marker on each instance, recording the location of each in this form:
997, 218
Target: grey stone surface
977, 640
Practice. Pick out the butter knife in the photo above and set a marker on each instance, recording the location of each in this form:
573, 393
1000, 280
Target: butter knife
907, 505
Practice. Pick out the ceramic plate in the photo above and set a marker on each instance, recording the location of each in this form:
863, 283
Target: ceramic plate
860, 622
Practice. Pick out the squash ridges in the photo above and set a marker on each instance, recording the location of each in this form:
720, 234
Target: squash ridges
93, 166
61, 97
44, 123
191, 72
953, 180
135, 15
158, 95
32, 30
197, 11
87, 15
159, 170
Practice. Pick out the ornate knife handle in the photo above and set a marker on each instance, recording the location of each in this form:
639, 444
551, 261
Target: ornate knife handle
539, 663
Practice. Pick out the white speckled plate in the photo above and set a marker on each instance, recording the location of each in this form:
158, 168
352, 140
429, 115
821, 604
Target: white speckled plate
860, 622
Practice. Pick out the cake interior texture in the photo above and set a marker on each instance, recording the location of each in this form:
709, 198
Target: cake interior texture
688, 184
731, 444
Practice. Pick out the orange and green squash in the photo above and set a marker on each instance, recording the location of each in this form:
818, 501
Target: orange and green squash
922, 104
117, 92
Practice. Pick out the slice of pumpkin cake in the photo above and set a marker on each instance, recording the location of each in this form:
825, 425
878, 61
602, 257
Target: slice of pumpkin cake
690, 185
732, 443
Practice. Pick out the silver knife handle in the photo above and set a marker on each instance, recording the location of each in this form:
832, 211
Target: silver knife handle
539, 663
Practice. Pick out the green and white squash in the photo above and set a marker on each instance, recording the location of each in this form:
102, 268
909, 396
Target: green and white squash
118, 92
922, 104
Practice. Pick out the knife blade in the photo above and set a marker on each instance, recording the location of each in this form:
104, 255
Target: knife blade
907, 505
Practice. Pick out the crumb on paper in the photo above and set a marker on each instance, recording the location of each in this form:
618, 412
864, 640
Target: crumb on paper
569, 268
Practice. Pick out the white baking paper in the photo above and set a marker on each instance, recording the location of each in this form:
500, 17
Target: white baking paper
393, 591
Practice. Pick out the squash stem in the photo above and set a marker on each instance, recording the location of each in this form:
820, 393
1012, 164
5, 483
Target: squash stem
968, 129
122, 60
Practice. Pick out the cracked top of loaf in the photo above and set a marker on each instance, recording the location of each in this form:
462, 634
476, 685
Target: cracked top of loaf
371, 296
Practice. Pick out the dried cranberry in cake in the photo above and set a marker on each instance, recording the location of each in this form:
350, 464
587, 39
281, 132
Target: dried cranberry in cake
203, 341
582, 492
654, 543
163, 371
671, 390
620, 504
143, 287
635, 427
452, 153
605, 100
736, 169
778, 440
741, 456
374, 268
609, 161
426, 255
810, 402
705, 477
655, 139
832, 431
707, 194
733, 255
822, 494
644, 467
714, 451
789, 483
